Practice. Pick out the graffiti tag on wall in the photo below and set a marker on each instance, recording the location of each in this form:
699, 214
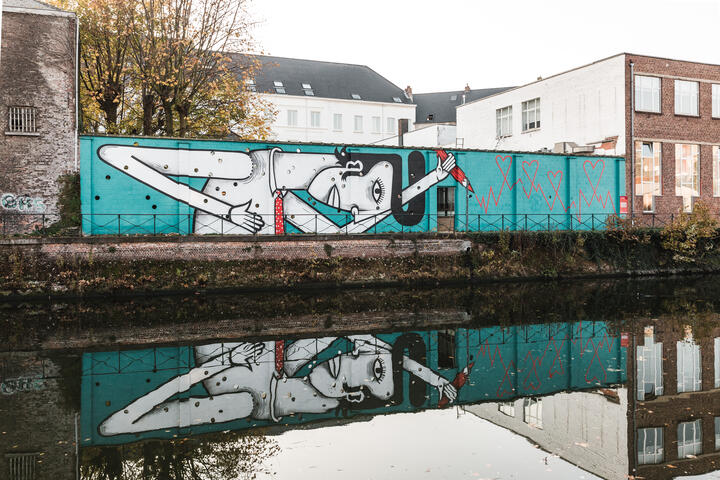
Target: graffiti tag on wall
15, 385
22, 203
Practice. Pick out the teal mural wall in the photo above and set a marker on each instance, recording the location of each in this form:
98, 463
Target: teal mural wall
174, 391
154, 185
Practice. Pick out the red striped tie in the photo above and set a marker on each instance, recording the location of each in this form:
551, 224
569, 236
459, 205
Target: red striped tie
279, 214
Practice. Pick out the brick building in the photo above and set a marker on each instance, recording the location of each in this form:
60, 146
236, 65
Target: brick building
670, 135
38, 120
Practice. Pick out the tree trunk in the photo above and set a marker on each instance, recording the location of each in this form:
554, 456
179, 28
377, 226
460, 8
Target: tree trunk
169, 119
182, 111
148, 107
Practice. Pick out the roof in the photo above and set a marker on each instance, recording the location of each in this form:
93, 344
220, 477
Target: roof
326, 79
441, 105
33, 6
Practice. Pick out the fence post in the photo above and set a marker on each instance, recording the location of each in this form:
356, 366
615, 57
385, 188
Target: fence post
222, 227
154, 223
653, 221
526, 222
503, 222
118, 224
593, 222
571, 229
548, 222
316, 230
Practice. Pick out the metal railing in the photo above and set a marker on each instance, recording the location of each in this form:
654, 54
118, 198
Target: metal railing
316, 224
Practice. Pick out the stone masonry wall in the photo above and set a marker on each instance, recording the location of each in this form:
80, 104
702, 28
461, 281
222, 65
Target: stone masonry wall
37, 69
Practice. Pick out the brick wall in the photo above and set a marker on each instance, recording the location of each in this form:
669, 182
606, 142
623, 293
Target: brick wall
237, 248
37, 69
668, 128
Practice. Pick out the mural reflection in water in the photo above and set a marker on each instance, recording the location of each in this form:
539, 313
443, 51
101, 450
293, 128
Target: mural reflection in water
162, 392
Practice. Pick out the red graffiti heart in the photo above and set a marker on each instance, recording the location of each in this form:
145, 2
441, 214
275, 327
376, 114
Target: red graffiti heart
596, 184
500, 161
552, 180
525, 163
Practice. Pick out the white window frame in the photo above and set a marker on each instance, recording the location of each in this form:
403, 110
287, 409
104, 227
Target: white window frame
503, 121
314, 119
716, 170
687, 96
716, 362
507, 408
717, 433
647, 94
652, 452
645, 184
279, 87
683, 157
689, 368
715, 100
531, 109
292, 118
692, 446
649, 362
532, 412
376, 124
358, 124
22, 121
391, 125
337, 122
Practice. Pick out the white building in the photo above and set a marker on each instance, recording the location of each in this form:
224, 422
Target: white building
585, 106
588, 429
327, 102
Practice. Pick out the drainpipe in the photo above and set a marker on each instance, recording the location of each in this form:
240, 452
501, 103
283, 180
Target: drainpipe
632, 140
77, 89
1, 7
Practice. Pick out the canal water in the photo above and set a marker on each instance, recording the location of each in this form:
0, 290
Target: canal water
584, 379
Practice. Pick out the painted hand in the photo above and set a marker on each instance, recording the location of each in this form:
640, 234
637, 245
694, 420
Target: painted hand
447, 389
246, 354
444, 167
245, 219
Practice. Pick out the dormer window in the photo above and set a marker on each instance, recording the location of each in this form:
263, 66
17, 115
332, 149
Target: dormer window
279, 87
250, 84
453, 98
397, 100
307, 89
355, 96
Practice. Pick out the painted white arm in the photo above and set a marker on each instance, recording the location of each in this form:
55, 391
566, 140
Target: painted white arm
149, 413
423, 373
432, 178
123, 159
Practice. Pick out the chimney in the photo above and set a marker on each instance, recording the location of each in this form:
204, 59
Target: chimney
408, 92
467, 88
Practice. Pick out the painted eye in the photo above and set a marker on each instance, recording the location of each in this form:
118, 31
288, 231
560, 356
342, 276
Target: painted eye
377, 191
378, 369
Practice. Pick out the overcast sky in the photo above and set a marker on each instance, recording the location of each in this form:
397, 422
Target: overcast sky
441, 45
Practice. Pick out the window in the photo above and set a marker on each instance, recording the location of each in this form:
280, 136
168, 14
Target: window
292, 118
337, 121
688, 366
391, 125
307, 89
650, 445
686, 98
397, 100
250, 84
716, 170
532, 412
717, 362
358, 123
647, 172
22, 120
446, 349
687, 173
716, 101
504, 122
507, 408
22, 465
376, 125
355, 96
649, 367
647, 94
453, 98
315, 119
531, 114
279, 87
446, 201
717, 433
689, 439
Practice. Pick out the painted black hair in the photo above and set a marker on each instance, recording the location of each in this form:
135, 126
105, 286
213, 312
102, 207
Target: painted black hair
416, 170
407, 344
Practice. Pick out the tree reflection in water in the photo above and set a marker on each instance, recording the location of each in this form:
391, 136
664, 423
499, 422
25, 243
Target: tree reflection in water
210, 457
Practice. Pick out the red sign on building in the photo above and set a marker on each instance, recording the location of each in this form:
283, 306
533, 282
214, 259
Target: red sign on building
623, 204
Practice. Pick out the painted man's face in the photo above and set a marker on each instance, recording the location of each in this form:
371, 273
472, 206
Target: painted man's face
366, 194
373, 370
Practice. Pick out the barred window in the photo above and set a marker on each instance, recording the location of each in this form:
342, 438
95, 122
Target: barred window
22, 465
22, 120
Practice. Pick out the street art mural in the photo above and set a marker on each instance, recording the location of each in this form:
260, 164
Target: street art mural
162, 392
22, 203
172, 186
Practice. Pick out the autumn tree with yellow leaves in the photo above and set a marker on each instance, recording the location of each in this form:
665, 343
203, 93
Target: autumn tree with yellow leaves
166, 67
